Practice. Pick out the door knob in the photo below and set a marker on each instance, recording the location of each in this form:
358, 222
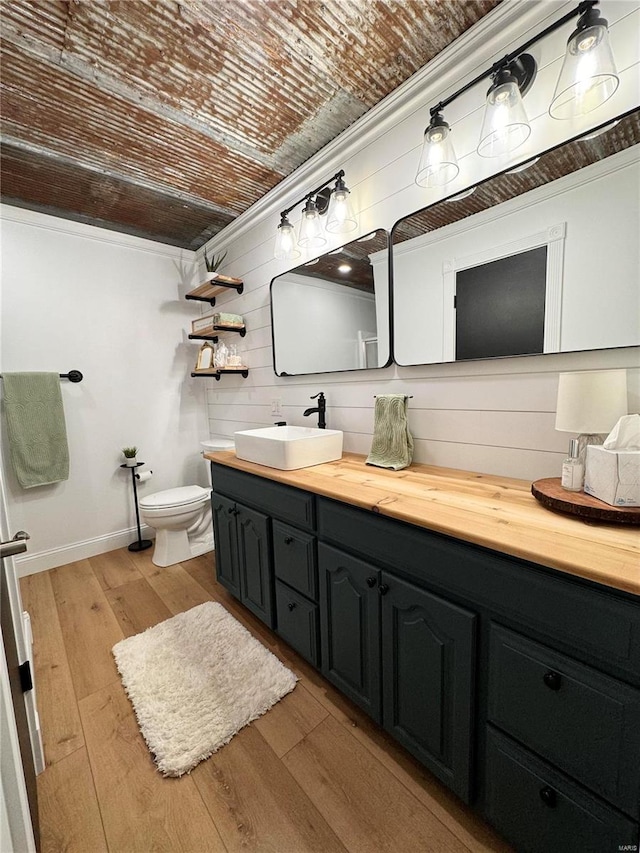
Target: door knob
17, 545
383, 589
371, 582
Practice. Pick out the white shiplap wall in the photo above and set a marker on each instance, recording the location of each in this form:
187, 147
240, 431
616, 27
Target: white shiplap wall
493, 416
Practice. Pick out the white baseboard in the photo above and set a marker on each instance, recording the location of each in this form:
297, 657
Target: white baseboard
30, 564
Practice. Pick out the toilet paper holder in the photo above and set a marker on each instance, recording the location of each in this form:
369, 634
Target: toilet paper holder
141, 544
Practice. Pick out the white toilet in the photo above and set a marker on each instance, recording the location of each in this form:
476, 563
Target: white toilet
181, 517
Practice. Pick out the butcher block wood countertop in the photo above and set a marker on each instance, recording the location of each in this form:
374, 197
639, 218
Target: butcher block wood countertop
495, 512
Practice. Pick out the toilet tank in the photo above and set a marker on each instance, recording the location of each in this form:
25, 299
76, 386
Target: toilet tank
210, 445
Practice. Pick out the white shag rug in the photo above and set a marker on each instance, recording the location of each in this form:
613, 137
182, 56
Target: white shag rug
195, 681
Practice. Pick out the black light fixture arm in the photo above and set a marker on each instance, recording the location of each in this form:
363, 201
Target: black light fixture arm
580, 9
336, 177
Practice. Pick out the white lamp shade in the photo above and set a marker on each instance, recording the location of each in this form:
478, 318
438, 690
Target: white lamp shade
591, 402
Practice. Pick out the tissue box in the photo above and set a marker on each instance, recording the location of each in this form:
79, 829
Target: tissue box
613, 476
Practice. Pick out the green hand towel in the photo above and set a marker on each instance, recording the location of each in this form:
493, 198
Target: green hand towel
36, 428
392, 445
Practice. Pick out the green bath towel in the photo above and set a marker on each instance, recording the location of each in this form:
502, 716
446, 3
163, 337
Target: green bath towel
392, 445
36, 428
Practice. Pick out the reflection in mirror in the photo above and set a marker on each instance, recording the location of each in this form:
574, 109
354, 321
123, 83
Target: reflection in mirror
332, 313
464, 270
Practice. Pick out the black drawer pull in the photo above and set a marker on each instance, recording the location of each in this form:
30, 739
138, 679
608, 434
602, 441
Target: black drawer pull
548, 797
288, 540
233, 511
383, 589
291, 605
552, 679
371, 582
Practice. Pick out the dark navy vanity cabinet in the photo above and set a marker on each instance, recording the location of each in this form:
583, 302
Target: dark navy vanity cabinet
516, 685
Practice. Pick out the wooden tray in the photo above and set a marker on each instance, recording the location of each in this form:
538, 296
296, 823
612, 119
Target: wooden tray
551, 494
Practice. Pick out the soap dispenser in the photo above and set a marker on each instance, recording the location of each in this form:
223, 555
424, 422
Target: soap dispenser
573, 469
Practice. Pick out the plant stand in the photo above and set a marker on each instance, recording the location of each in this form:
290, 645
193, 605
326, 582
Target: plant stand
141, 544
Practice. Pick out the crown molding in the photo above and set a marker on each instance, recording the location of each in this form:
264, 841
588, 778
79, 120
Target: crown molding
48, 222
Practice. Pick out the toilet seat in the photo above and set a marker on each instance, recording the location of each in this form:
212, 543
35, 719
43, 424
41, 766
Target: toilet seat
182, 496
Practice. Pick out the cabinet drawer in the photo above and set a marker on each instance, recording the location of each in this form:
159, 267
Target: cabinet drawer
582, 721
298, 622
295, 559
539, 810
276, 499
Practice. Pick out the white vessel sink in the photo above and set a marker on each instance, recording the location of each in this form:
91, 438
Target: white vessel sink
289, 447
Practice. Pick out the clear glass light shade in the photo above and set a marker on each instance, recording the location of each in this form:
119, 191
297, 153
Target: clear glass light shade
311, 235
588, 77
438, 162
341, 219
285, 249
505, 126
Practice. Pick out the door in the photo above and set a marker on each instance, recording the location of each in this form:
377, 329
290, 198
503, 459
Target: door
226, 538
20, 738
349, 612
428, 648
255, 564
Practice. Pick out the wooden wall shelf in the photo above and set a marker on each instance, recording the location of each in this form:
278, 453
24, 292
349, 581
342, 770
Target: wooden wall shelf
214, 286
240, 330
216, 373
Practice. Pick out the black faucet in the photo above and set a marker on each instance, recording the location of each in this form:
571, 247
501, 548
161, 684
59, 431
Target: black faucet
320, 409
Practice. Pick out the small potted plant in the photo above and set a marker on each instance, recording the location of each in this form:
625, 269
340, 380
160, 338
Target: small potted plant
213, 263
130, 456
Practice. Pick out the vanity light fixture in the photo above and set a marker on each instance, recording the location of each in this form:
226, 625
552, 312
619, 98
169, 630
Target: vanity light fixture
505, 126
286, 241
438, 162
311, 235
341, 218
588, 78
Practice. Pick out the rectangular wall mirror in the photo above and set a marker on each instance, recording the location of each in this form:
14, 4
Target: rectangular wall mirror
464, 270
332, 313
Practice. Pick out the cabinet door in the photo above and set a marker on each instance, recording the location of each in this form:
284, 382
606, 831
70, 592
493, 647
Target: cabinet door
350, 618
427, 663
254, 560
226, 550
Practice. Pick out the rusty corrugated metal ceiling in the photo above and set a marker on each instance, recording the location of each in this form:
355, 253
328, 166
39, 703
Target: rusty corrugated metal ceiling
169, 119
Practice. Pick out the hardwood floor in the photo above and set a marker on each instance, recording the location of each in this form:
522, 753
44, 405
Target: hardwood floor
313, 774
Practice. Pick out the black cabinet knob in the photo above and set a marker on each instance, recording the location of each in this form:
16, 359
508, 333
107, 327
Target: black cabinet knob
548, 797
288, 540
291, 605
371, 582
233, 511
383, 589
552, 679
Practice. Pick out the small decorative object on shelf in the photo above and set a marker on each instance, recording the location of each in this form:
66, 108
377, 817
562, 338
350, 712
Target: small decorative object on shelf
206, 357
214, 262
129, 454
